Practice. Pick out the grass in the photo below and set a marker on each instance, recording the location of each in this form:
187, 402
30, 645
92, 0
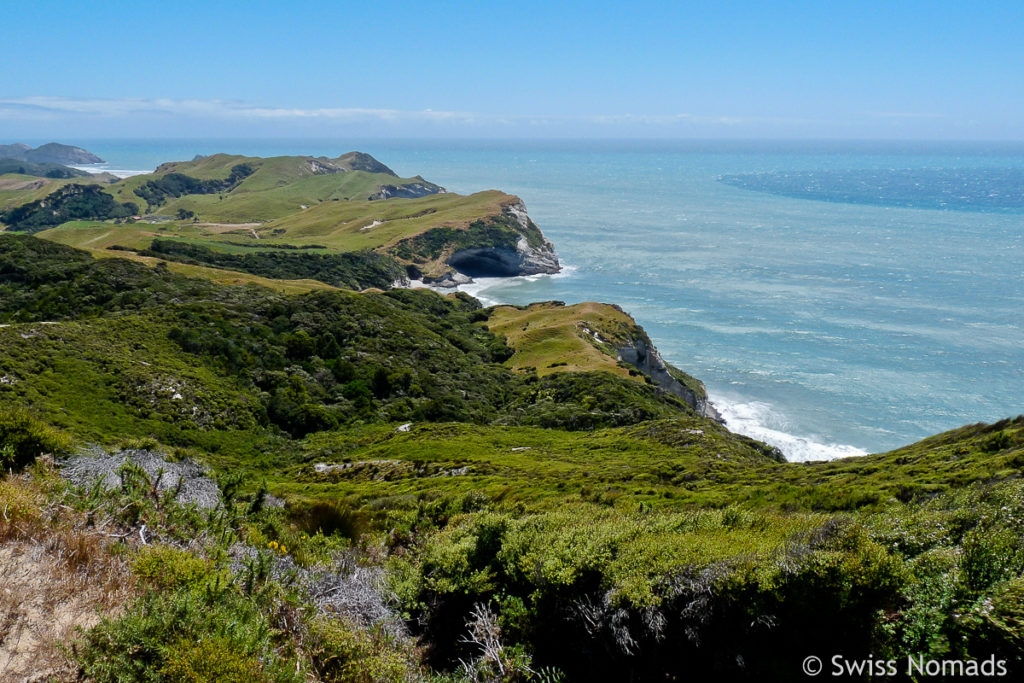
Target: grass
98, 238
629, 540
551, 337
663, 465
282, 203
279, 188
60, 574
16, 190
339, 225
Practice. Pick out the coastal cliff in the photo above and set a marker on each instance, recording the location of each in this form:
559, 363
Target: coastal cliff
531, 254
506, 243
645, 357
550, 337
347, 222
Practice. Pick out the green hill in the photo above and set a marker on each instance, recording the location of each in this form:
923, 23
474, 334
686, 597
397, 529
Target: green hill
352, 208
50, 153
405, 485
44, 170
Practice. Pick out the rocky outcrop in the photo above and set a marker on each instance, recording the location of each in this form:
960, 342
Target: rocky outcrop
643, 356
420, 188
532, 254
323, 166
450, 280
361, 161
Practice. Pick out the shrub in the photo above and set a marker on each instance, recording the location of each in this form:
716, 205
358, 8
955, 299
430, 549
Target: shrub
184, 634
344, 653
211, 660
166, 567
24, 438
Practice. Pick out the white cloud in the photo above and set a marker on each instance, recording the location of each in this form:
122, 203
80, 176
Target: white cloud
215, 109
42, 116
234, 110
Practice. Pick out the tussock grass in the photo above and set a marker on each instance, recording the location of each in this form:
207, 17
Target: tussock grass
60, 573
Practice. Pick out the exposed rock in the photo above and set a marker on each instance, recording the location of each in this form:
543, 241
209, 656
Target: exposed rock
421, 188
360, 161
323, 166
449, 280
187, 479
525, 259
643, 356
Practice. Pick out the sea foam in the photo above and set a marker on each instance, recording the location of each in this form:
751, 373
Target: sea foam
761, 421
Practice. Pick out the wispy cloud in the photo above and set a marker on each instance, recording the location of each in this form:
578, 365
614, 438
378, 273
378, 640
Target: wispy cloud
50, 115
222, 109
901, 115
15, 107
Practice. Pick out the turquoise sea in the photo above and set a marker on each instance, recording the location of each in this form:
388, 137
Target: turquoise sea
836, 298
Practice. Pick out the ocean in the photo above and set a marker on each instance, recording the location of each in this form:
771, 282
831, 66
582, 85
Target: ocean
836, 298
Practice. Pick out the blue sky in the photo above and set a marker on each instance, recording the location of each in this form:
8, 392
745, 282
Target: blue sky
905, 70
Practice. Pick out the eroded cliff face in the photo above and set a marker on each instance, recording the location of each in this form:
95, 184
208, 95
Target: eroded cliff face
644, 356
532, 253
550, 337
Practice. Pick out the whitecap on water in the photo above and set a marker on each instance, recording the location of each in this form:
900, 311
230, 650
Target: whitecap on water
760, 421
489, 290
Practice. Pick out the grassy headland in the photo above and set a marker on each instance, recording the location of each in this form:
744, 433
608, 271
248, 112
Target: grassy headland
352, 205
487, 493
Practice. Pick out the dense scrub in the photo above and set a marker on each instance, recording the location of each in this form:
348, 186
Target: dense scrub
580, 526
314, 362
157, 191
351, 270
612, 596
494, 232
69, 203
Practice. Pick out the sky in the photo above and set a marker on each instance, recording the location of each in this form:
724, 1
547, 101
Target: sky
780, 70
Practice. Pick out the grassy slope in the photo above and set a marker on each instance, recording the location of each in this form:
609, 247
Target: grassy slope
639, 515
283, 202
339, 225
342, 226
97, 238
106, 380
16, 190
278, 188
552, 338
667, 464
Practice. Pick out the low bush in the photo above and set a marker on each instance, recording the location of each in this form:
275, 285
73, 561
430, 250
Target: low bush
23, 438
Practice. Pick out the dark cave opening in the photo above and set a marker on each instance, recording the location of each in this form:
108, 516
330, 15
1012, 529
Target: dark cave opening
486, 262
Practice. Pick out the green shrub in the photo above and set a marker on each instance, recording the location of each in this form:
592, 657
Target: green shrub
165, 635
24, 438
166, 567
344, 653
210, 660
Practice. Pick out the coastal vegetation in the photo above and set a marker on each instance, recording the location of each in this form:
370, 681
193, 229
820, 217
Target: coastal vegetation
71, 202
44, 170
222, 462
373, 227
